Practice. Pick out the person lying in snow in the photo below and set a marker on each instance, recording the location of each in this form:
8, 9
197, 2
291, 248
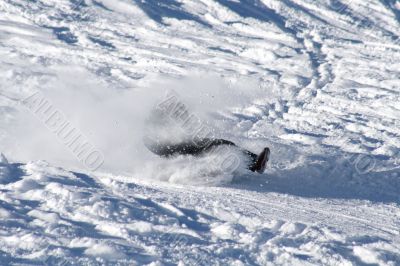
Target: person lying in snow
257, 163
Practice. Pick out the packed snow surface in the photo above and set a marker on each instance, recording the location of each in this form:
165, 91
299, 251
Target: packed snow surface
316, 81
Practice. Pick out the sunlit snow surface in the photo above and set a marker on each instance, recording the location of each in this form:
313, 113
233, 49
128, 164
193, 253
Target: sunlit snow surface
316, 81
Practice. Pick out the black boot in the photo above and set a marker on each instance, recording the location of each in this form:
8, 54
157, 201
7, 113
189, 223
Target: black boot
261, 161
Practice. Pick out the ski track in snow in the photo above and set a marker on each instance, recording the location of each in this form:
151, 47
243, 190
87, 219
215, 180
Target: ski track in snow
329, 76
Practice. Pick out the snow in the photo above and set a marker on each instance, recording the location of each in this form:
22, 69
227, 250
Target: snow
316, 81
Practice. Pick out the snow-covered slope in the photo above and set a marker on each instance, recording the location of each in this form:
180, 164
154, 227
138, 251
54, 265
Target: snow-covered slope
53, 216
316, 81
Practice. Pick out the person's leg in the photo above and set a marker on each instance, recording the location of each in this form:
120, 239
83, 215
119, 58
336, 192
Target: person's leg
256, 163
185, 148
173, 149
